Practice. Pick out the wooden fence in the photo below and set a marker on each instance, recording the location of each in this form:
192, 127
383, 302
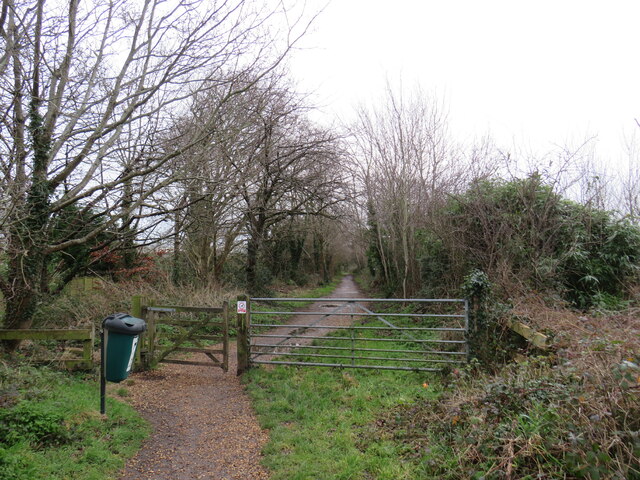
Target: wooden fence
71, 357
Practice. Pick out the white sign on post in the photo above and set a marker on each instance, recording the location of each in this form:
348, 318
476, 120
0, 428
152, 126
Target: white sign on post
242, 307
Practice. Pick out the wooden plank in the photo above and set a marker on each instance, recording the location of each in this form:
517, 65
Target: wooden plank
187, 323
46, 334
180, 337
188, 362
182, 308
161, 309
76, 363
138, 302
219, 338
87, 346
196, 350
536, 338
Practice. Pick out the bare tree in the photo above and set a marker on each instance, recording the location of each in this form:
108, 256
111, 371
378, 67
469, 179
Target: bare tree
262, 162
407, 164
76, 79
630, 183
286, 167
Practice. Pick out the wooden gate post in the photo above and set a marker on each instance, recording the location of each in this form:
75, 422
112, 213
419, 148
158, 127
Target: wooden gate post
139, 304
225, 336
150, 359
244, 320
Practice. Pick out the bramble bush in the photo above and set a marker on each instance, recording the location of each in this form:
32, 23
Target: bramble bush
525, 236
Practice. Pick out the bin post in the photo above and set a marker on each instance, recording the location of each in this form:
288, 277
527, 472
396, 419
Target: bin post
244, 319
103, 380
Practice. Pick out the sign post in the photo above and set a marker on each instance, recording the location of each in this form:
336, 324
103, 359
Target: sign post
244, 318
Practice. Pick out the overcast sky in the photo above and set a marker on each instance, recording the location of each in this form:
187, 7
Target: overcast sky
534, 73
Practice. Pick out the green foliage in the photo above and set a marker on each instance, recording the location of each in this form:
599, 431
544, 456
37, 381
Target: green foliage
604, 253
71, 222
489, 340
527, 235
50, 427
531, 420
435, 265
34, 423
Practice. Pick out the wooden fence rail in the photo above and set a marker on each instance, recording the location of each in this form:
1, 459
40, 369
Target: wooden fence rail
85, 335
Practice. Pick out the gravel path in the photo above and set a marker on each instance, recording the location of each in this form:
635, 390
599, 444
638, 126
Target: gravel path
203, 424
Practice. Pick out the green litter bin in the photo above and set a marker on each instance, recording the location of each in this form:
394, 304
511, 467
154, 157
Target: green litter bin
121, 335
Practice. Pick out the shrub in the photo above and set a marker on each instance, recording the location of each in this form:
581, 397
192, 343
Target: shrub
525, 235
34, 423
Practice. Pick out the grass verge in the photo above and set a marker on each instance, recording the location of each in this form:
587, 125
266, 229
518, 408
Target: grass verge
319, 421
50, 427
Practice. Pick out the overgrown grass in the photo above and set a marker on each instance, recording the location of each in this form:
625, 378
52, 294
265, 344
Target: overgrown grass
51, 428
530, 420
320, 419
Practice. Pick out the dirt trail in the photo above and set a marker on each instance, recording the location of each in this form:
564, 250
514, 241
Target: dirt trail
203, 423
346, 289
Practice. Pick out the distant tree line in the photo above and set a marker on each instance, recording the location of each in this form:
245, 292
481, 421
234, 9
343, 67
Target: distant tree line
433, 212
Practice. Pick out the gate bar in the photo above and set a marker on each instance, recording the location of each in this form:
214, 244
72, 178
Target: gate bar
342, 365
371, 314
359, 339
318, 347
388, 359
352, 300
342, 327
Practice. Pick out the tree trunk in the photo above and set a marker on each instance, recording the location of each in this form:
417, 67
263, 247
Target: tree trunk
252, 262
20, 307
254, 243
21, 296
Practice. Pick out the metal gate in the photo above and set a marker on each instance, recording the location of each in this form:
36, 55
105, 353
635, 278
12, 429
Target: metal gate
176, 330
383, 334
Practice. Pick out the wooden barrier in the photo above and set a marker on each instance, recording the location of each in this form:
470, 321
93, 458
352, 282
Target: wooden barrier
86, 335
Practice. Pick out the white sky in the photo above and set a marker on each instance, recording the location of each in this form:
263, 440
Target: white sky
534, 74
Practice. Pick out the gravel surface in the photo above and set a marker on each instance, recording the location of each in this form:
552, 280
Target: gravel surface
203, 424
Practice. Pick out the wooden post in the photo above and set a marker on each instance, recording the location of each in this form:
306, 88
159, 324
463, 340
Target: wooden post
225, 336
87, 350
243, 334
151, 339
138, 302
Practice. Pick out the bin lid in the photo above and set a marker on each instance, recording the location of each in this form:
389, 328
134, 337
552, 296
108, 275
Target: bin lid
124, 323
